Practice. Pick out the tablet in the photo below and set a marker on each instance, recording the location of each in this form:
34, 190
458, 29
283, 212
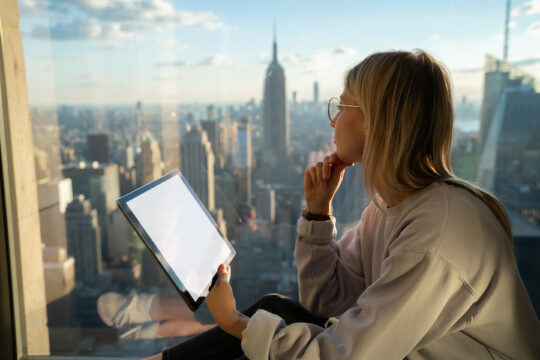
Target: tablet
180, 233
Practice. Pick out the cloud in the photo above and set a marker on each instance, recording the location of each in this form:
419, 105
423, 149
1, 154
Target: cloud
315, 63
262, 57
534, 28
32, 7
434, 36
81, 29
526, 61
114, 46
115, 17
166, 77
290, 59
529, 8
518, 63
143, 11
467, 70
213, 60
169, 43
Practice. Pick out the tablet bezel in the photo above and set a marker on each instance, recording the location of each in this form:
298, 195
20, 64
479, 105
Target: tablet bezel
153, 249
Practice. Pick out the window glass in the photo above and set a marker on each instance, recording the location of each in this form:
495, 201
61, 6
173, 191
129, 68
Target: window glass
234, 94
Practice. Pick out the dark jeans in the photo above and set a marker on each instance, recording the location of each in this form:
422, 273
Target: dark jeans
217, 344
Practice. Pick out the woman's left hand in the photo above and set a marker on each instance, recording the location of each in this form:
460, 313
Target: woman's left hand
221, 302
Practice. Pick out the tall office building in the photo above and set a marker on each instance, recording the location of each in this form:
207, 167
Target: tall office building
315, 92
210, 112
149, 161
266, 204
141, 124
198, 165
498, 77
84, 241
171, 145
350, 199
119, 230
225, 198
508, 163
98, 183
127, 158
275, 121
244, 154
242, 165
212, 132
59, 269
53, 197
217, 215
98, 148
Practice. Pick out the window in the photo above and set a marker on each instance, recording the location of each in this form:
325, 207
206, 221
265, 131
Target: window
120, 93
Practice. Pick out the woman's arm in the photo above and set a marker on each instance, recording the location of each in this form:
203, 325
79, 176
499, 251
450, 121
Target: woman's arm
418, 298
328, 282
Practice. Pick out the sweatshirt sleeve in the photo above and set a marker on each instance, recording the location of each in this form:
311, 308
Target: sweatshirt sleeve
330, 274
418, 298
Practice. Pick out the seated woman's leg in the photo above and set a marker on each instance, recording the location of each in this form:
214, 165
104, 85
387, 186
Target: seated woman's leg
217, 344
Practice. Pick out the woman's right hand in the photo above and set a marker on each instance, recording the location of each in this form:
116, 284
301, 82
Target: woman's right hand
321, 182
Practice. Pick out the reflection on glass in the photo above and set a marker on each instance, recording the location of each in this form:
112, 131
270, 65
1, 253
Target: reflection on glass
119, 98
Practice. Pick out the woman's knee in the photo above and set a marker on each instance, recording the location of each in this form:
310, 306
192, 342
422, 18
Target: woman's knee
273, 300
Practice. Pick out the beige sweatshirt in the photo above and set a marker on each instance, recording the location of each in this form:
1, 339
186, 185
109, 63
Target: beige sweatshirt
431, 278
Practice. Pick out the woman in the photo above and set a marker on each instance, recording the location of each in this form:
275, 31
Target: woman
428, 273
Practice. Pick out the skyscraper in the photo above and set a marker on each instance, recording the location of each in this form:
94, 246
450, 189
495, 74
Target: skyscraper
243, 162
149, 161
210, 112
275, 121
212, 132
98, 148
198, 165
315, 92
84, 241
225, 191
509, 158
171, 144
498, 77
98, 183
59, 269
141, 125
266, 204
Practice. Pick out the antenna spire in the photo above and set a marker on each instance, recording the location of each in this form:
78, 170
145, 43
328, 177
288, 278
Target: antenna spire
274, 58
506, 26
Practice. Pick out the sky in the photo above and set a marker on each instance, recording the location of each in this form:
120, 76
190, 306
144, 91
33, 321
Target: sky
167, 51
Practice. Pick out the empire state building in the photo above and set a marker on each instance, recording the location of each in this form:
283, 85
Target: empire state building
275, 122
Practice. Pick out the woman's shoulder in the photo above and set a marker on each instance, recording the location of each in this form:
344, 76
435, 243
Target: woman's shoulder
447, 215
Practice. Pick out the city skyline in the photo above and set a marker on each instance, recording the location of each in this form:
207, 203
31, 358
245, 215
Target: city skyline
159, 52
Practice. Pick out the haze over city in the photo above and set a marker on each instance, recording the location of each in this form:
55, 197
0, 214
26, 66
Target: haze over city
116, 52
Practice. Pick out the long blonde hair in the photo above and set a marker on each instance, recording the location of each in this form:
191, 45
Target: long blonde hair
406, 98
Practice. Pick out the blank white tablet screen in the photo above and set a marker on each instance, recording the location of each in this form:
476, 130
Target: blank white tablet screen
183, 233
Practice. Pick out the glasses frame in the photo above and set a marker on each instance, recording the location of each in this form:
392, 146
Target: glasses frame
344, 105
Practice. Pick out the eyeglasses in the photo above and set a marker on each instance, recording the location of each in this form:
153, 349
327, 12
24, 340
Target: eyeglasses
335, 107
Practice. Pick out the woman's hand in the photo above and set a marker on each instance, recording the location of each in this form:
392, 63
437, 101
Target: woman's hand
321, 182
222, 304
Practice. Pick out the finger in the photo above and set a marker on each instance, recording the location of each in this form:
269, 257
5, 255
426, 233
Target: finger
307, 177
319, 174
326, 167
313, 174
223, 274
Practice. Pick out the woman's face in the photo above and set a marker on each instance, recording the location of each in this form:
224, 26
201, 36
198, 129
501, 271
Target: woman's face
350, 129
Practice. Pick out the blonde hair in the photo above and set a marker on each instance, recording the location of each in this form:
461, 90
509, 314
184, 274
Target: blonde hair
406, 98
